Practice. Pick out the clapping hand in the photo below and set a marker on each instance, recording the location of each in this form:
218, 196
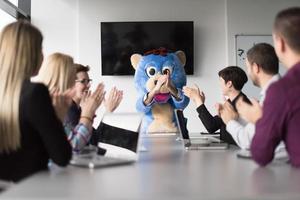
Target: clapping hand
251, 112
195, 94
227, 112
91, 101
113, 100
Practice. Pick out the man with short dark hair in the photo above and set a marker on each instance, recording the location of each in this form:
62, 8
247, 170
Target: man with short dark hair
235, 75
280, 118
232, 80
265, 57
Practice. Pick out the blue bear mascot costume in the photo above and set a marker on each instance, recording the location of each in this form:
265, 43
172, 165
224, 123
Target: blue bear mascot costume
159, 78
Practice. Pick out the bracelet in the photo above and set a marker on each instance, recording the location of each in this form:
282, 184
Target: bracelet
88, 118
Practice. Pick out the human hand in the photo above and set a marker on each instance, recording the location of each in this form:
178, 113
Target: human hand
114, 99
194, 93
227, 112
249, 112
91, 101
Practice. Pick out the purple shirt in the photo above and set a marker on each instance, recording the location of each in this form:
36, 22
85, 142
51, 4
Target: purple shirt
280, 120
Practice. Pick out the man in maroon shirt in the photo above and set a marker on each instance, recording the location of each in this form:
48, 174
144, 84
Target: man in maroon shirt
280, 117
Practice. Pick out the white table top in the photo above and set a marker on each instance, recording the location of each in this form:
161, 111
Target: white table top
166, 171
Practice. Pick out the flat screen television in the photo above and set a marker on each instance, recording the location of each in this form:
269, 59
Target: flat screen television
119, 40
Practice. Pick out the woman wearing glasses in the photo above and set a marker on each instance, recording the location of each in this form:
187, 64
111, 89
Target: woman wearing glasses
31, 132
81, 88
58, 74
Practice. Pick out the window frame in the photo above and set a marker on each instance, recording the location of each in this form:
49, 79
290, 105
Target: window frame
23, 10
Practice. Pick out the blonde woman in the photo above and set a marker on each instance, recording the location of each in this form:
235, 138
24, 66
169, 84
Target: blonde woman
30, 131
58, 73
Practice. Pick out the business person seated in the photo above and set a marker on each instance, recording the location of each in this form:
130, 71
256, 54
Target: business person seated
232, 80
58, 74
81, 88
279, 118
31, 132
262, 68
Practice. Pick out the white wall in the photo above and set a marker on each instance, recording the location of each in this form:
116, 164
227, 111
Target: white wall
57, 19
252, 17
209, 47
72, 26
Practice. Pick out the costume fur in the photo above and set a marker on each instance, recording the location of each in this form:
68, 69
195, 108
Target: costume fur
159, 114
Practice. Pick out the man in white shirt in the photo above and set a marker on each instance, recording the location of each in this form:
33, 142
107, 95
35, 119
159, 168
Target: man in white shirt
262, 68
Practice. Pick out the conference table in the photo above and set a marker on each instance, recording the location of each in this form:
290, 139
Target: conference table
165, 170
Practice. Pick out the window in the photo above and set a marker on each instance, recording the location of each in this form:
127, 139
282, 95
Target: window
5, 19
14, 8
15, 2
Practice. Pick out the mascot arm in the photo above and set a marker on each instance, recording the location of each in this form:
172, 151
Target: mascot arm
181, 101
141, 107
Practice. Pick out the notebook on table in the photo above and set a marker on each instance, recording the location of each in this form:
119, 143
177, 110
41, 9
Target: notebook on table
118, 142
201, 142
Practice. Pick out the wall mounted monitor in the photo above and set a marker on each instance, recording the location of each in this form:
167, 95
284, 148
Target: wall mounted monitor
119, 40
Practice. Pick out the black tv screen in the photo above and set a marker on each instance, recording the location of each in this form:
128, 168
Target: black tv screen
119, 40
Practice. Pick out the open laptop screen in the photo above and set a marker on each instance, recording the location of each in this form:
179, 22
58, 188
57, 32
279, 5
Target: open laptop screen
118, 142
181, 122
119, 137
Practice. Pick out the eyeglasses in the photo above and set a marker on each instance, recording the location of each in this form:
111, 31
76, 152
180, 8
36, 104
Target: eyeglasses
84, 81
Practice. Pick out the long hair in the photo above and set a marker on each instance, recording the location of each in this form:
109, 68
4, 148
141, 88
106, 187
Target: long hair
20, 58
58, 72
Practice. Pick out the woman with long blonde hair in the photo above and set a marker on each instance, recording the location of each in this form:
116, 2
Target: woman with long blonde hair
30, 130
58, 74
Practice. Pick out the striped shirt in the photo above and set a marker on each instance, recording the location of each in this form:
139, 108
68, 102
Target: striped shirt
78, 136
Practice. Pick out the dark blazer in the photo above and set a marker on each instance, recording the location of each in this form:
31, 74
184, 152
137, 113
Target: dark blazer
42, 136
73, 115
214, 123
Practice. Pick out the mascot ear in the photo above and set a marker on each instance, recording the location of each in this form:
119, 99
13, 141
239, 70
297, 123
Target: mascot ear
135, 59
181, 57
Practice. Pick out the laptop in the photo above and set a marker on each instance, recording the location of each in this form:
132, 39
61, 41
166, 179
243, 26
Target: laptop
118, 142
201, 142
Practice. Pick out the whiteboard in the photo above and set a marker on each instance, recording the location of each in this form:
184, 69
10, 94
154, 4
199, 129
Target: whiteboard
243, 43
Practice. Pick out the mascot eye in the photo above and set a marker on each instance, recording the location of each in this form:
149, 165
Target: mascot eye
166, 69
151, 71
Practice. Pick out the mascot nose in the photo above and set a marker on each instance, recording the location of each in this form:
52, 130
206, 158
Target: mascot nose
155, 82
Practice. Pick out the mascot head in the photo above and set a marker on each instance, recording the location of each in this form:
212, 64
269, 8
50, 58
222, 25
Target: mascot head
155, 63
